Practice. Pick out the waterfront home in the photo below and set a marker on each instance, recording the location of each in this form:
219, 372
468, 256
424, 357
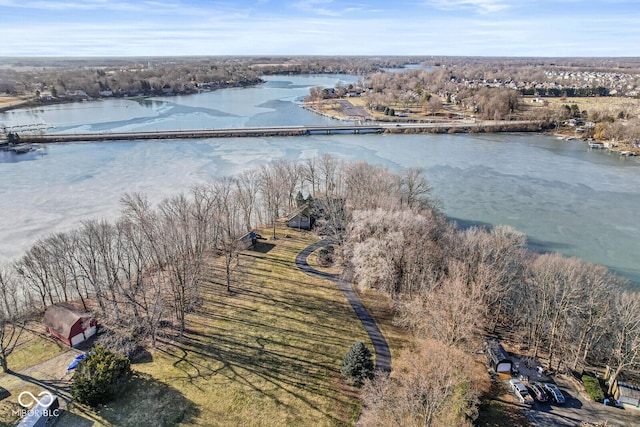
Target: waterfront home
69, 324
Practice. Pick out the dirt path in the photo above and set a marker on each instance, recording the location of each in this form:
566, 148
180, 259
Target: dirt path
380, 346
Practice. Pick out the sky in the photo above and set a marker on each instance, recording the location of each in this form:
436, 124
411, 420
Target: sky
603, 28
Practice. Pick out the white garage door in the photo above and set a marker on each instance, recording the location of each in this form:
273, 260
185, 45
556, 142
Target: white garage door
76, 340
90, 332
504, 367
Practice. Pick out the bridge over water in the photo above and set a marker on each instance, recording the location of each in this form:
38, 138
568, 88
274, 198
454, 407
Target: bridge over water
458, 126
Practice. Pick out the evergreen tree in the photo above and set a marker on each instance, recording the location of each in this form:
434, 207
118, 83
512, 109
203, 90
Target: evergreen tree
100, 376
357, 365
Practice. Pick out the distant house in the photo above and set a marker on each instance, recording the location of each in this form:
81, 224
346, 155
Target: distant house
301, 218
68, 324
498, 358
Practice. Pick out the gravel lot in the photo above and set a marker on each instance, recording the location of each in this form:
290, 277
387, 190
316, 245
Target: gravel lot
577, 408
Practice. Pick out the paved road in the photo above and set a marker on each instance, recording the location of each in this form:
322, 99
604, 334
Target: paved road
380, 346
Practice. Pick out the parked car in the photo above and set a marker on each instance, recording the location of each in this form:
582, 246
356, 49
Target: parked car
521, 392
538, 391
554, 393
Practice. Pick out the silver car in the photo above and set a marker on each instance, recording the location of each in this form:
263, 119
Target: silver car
554, 393
521, 391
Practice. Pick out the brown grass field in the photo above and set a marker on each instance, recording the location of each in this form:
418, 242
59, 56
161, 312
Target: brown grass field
610, 105
266, 354
8, 100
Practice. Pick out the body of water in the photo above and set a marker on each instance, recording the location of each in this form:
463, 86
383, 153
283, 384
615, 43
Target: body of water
564, 196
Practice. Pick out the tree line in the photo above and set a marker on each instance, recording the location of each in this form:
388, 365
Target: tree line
451, 286
66, 78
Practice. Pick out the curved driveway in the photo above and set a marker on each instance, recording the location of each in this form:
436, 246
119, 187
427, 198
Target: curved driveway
380, 346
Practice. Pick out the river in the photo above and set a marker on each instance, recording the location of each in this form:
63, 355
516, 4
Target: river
564, 196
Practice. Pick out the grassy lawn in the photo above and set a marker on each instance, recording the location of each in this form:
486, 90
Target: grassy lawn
33, 348
266, 354
495, 413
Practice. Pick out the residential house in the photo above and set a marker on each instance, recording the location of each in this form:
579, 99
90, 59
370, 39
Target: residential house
69, 324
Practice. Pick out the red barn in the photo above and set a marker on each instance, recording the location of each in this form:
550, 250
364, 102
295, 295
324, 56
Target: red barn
68, 324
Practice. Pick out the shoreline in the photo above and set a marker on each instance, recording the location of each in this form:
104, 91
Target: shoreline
564, 133
362, 123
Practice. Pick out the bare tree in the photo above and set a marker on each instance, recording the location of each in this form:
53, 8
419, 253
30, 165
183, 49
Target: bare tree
88, 259
12, 315
290, 174
310, 174
229, 219
550, 296
34, 268
182, 258
397, 252
64, 270
327, 167
493, 260
625, 336
430, 385
273, 197
415, 189
452, 312
247, 187
589, 324
370, 187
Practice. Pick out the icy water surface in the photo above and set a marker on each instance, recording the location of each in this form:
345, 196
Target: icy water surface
564, 196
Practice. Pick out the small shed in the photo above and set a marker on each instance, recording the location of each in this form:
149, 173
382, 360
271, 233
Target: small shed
69, 324
248, 240
626, 394
498, 358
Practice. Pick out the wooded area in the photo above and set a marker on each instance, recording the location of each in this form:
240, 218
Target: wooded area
141, 275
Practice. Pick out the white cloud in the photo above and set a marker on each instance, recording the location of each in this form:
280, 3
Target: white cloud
317, 7
480, 6
228, 29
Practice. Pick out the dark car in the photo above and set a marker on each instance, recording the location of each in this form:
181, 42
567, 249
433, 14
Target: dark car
538, 391
554, 393
4, 394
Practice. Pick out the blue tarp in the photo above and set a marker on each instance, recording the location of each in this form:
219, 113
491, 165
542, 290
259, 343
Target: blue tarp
77, 360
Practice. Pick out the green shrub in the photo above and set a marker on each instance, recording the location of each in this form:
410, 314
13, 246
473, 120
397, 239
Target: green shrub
100, 376
357, 365
592, 385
